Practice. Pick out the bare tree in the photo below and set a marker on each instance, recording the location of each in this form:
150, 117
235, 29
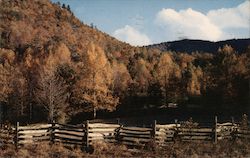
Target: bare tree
52, 95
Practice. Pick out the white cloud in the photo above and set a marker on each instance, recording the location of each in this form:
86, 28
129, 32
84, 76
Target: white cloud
132, 36
219, 24
237, 17
195, 25
188, 23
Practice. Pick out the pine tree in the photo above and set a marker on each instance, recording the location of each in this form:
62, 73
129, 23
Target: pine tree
63, 6
68, 8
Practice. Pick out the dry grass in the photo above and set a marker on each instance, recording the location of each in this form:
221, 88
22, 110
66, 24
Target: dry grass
223, 149
102, 149
42, 150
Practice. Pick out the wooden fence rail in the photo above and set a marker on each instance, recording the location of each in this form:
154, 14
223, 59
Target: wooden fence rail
102, 132
68, 134
165, 133
135, 136
85, 134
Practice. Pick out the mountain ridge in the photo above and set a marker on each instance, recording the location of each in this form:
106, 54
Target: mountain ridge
191, 45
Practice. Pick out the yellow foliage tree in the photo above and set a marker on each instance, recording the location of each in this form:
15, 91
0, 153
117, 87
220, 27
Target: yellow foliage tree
168, 73
92, 90
121, 78
6, 72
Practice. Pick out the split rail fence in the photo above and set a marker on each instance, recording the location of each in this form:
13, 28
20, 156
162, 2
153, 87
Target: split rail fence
85, 134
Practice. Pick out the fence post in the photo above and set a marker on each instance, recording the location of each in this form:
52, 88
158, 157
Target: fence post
232, 119
154, 130
16, 132
52, 134
176, 133
176, 124
233, 129
118, 121
87, 134
83, 138
215, 129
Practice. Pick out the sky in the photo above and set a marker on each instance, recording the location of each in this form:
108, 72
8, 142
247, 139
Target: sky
144, 22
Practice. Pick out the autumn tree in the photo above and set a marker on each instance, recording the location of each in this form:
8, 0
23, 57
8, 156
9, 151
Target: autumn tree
92, 90
121, 79
140, 72
183, 59
240, 79
193, 77
19, 96
142, 76
30, 70
225, 61
6, 72
7, 69
247, 63
5, 88
224, 76
52, 91
168, 74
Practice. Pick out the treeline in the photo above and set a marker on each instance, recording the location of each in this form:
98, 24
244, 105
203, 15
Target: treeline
219, 80
53, 86
53, 67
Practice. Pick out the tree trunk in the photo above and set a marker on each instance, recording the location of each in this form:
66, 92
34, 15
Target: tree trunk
166, 94
22, 101
51, 115
30, 98
31, 111
94, 113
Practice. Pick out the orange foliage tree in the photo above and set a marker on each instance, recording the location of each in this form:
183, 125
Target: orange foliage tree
92, 90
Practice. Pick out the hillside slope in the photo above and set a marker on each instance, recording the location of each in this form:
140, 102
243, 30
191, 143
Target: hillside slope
52, 64
38, 23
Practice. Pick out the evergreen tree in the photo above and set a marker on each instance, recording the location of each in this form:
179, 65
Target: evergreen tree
63, 6
68, 8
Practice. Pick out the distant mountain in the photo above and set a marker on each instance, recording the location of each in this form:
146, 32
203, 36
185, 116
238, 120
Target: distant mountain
189, 46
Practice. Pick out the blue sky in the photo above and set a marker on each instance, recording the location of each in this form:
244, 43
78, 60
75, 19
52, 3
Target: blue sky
142, 22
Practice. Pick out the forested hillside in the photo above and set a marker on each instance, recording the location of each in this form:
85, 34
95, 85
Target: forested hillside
54, 67
189, 46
